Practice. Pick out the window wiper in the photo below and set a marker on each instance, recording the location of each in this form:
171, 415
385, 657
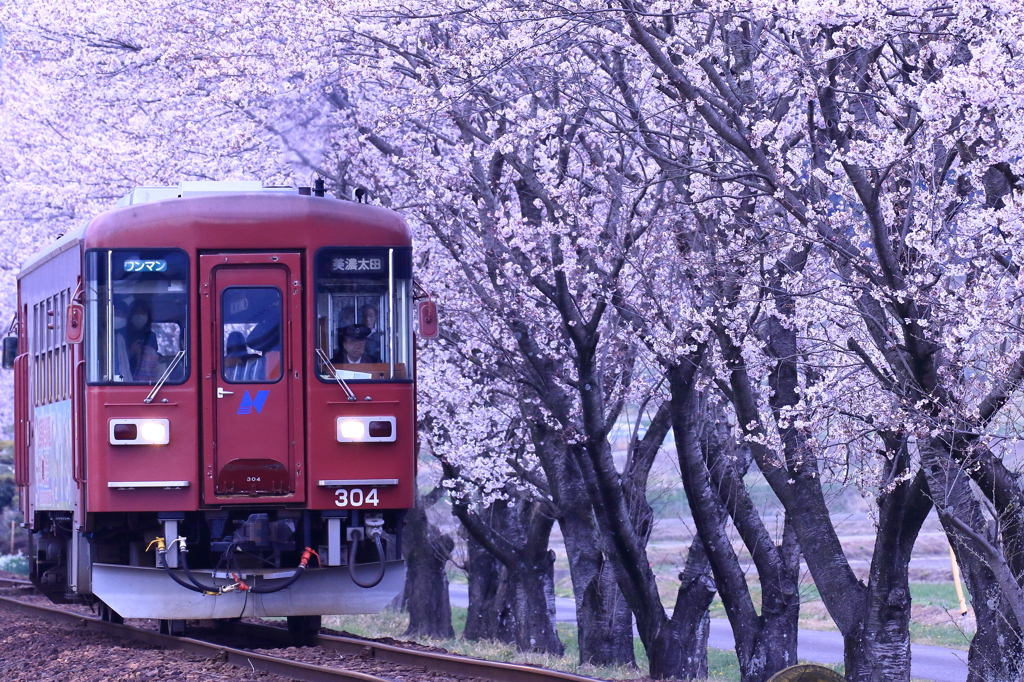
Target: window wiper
334, 373
163, 377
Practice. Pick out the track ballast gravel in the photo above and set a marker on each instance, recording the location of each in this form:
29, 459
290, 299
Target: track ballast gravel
34, 649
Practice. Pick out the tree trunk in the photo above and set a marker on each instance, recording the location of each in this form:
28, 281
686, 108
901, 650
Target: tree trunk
603, 619
668, 642
533, 582
426, 580
680, 649
606, 627
516, 534
996, 651
712, 468
879, 648
858, 610
490, 606
690, 616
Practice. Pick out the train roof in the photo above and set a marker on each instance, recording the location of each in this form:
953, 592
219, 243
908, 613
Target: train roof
63, 243
230, 215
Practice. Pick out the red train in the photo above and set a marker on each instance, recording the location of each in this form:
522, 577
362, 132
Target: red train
215, 405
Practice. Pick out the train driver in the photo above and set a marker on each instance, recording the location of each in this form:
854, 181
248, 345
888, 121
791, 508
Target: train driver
352, 348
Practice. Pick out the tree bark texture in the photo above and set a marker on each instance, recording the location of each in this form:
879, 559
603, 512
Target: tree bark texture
490, 607
668, 641
880, 648
605, 612
713, 478
516, 533
426, 595
604, 621
872, 617
996, 651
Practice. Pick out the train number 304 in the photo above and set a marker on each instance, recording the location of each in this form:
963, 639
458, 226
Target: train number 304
354, 497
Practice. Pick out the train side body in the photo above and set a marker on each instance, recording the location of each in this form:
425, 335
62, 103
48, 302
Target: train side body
211, 400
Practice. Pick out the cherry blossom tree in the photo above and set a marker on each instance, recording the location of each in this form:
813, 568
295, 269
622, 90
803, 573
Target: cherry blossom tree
803, 218
882, 135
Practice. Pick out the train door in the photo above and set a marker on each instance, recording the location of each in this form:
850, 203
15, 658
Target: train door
251, 329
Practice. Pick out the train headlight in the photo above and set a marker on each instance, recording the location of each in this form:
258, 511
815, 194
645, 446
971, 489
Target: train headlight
153, 431
366, 429
140, 431
351, 429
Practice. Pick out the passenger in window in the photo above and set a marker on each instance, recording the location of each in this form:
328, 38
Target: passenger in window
143, 360
368, 318
122, 370
346, 316
239, 363
352, 348
265, 337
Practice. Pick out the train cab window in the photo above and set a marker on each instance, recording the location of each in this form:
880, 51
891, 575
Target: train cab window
136, 316
364, 313
251, 349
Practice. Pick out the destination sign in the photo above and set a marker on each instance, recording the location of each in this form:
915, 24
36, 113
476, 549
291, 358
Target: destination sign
145, 266
356, 264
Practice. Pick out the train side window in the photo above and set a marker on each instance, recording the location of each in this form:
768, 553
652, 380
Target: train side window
251, 343
36, 362
364, 313
137, 309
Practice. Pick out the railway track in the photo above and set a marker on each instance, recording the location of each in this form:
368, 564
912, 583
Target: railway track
269, 637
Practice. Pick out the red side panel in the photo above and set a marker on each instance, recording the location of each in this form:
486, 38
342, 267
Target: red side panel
22, 425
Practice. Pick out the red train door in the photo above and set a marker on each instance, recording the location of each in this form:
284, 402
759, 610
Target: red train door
251, 337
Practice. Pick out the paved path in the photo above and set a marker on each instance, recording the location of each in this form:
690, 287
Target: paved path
927, 662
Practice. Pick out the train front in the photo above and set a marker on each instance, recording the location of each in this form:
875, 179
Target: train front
246, 382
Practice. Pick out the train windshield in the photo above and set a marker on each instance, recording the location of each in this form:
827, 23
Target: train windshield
136, 315
364, 314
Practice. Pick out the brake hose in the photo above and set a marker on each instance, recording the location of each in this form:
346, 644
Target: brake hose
216, 590
352, 563
161, 553
295, 576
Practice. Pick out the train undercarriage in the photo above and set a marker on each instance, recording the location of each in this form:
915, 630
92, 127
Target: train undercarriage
222, 563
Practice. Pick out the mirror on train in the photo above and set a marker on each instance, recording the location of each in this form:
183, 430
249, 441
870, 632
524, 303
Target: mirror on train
75, 323
10, 352
428, 319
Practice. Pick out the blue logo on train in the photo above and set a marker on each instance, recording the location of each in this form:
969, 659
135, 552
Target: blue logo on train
249, 403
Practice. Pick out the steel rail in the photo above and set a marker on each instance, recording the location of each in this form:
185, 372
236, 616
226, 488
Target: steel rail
431, 660
237, 657
12, 587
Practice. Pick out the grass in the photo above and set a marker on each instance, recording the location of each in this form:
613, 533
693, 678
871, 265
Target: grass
948, 636
14, 563
722, 665
937, 594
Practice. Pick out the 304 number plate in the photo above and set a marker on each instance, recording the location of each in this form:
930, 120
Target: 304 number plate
356, 497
